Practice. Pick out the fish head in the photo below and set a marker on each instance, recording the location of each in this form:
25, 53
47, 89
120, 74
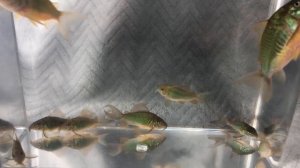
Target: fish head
163, 90
37, 125
293, 8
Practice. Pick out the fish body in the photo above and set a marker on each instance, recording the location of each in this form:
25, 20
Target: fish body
141, 119
48, 123
240, 147
6, 126
48, 144
81, 141
80, 123
242, 128
18, 153
179, 94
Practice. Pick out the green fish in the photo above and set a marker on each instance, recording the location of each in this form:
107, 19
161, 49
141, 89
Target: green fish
49, 144
84, 121
280, 44
179, 94
139, 117
140, 144
47, 124
242, 128
241, 147
83, 141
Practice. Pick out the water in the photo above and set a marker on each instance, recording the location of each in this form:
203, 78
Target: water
120, 53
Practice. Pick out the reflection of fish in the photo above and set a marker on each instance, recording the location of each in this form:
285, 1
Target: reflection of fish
138, 117
82, 141
142, 144
47, 124
179, 94
238, 146
39, 11
48, 144
280, 44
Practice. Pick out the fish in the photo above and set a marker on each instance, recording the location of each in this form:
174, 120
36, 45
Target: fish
47, 124
179, 94
6, 126
17, 153
84, 121
238, 146
241, 127
139, 116
40, 11
279, 45
141, 144
82, 141
49, 144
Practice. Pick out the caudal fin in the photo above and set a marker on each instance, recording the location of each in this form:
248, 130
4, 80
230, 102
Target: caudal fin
66, 20
112, 112
257, 81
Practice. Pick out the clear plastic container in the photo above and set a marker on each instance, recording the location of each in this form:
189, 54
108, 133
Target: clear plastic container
121, 52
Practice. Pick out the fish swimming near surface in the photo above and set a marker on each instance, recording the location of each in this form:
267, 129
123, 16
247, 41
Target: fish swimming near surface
279, 45
84, 121
180, 94
139, 116
40, 11
47, 124
49, 144
140, 144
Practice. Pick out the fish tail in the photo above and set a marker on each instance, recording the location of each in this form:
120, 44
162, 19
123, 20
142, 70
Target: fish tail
258, 81
112, 112
114, 149
65, 20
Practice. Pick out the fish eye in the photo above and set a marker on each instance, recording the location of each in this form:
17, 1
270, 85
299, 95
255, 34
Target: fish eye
297, 4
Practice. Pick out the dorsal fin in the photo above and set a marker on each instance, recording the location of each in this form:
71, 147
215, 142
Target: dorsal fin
87, 113
139, 107
57, 113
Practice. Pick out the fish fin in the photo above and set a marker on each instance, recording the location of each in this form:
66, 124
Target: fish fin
280, 76
114, 149
260, 27
65, 20
57, 113
139, 107
102, 139
44, 133
112, 112
258, 81
218, 141
260, 164
140, 155
87, 113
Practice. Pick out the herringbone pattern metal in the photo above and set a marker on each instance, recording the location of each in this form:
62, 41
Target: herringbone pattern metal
124, 49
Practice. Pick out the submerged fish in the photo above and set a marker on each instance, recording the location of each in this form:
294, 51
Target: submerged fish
82, 141
179, 94
6, 126
18, 154
139, 117
48, 144
47, 124
280, 44
142, 144
242, 128
39, 11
